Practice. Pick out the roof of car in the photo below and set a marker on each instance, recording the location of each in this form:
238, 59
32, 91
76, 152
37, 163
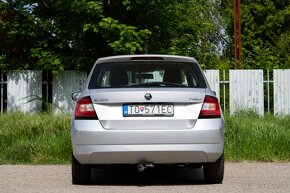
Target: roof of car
147, 57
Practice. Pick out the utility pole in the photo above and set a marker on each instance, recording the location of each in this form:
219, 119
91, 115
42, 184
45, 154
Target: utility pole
237, 34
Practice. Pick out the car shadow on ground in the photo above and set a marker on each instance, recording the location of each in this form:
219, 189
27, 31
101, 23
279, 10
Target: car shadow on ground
152, 176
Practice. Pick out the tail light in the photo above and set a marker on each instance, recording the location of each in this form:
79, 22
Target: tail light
210, 108
85, 109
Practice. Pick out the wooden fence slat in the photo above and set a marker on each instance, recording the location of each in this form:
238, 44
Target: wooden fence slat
246, 91
24, 91
62, 87
282, 92
213, 79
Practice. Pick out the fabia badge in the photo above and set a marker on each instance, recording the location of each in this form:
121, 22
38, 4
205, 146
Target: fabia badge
148, 96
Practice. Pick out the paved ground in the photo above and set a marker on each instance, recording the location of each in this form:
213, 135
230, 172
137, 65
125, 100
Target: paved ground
239, 178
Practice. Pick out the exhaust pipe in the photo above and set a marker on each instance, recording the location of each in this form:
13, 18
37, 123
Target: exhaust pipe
143, 166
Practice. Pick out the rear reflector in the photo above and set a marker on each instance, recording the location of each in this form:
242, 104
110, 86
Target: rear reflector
85, 109
210, 108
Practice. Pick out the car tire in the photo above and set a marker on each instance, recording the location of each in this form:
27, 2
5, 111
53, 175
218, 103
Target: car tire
214, 172
81, 174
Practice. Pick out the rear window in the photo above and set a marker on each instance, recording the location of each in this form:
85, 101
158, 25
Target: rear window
146, 74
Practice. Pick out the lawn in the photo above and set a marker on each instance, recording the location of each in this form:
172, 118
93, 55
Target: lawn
45, 138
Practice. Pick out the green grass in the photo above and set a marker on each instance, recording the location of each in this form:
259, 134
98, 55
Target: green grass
45, 139
249, 137
35, 139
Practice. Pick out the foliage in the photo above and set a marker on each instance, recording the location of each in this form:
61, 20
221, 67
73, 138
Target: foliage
191, 28
71, 34
265, 32
62, 34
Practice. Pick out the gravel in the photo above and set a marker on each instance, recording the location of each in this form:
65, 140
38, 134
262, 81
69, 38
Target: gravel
239, 177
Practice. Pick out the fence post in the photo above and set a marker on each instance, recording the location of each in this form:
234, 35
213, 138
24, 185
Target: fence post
224, 79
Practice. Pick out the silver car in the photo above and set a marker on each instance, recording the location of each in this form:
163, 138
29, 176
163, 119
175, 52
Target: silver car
147, 110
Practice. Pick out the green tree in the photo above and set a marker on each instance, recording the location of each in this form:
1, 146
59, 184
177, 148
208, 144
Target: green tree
63, 34
191, 28
265, 32
71, 34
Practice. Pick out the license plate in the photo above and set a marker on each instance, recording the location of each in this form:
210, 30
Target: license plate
152, 110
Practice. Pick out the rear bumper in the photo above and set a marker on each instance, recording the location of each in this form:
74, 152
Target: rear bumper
157, 154
94, 145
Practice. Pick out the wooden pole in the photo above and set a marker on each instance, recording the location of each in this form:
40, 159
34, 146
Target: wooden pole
237, 34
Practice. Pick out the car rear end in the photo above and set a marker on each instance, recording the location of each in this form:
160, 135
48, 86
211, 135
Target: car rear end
155, 109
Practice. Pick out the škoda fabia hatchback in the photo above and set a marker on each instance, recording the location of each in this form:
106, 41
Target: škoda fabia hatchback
147, 110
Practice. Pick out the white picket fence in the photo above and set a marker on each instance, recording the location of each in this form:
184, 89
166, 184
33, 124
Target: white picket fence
246, 90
